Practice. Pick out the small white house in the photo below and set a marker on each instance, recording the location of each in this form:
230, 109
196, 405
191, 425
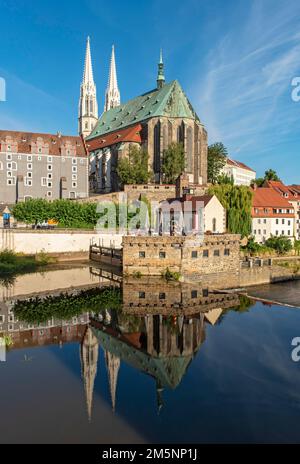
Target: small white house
193, 214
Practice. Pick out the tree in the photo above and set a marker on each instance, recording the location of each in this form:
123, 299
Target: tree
216, 160
173, 162
225, 179
133, 169
237, 200
280, 244
270, 174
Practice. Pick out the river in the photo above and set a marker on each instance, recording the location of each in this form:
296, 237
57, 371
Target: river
120, 372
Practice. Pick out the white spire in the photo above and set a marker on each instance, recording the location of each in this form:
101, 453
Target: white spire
88, 107
113, 365
112, 95
88, 68
89, 360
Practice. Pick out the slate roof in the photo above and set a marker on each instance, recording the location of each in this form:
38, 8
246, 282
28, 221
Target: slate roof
169, 101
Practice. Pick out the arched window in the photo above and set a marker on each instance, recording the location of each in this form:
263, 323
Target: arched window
157, 147
214, 225
189, 149
86, 105
86, 126
91, 107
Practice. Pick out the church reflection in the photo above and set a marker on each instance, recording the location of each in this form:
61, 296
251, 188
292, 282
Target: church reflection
159, 345
158, 330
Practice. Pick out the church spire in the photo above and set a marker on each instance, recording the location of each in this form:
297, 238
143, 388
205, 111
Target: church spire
88, 69
88, 107
89, 359
112, 95
113, 366
161, 74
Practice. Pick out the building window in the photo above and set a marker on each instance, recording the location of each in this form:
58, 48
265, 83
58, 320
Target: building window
265, 221
43, 181
142, 295
205, 253
29, 158
2, 318
29, 175
39, 158
82, 161
214, 224
283, 221
49, 159
264, 232
9, 173
194, 254
74, 161
277, 233
74, 176
162, 296
72, 195
205, 292
289, 232
289, 223
74, 184
49, 167
194, 293
8, 156
29, 167
282, 232
226, 252
13, 166
49, 184
142, 254
49, 175
74, 168
11, 181
259, 221
216, 252
27, 182
162, 254
277, 221
49, 194
40, 150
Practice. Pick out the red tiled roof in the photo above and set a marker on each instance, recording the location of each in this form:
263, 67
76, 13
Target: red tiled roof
238, 164
129, 134
55, 142
282, 189
267, 197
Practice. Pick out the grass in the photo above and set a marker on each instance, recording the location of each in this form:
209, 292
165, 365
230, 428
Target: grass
293, 266
13, 264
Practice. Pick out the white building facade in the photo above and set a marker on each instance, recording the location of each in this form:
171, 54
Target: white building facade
239, 172
272, 215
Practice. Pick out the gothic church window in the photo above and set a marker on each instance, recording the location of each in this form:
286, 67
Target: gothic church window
189, 149
157, 147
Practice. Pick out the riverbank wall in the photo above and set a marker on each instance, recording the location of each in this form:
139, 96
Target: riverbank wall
60, 243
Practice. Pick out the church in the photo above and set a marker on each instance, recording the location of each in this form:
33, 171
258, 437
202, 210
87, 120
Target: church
153, 121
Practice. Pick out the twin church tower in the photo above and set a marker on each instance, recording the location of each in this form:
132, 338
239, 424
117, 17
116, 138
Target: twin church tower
88, 105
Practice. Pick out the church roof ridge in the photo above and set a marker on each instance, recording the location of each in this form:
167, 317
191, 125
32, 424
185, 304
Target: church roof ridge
154, 103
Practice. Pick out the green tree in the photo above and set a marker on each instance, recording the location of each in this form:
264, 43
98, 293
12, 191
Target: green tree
173, 163
237, 200
225, 179
270, 174
297, 247
216, 160
280, 244
133, 169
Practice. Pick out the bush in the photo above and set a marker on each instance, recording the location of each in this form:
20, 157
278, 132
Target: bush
280, 244
65, 306
170, 275
11, 263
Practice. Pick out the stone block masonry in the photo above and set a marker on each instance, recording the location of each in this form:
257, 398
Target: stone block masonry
216, 254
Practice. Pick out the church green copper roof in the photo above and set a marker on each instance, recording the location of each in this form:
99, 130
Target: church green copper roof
168, 101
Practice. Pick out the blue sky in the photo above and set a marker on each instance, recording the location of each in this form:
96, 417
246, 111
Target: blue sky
235, 60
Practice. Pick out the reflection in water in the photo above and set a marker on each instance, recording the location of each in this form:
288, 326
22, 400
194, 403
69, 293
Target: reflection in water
158, 329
